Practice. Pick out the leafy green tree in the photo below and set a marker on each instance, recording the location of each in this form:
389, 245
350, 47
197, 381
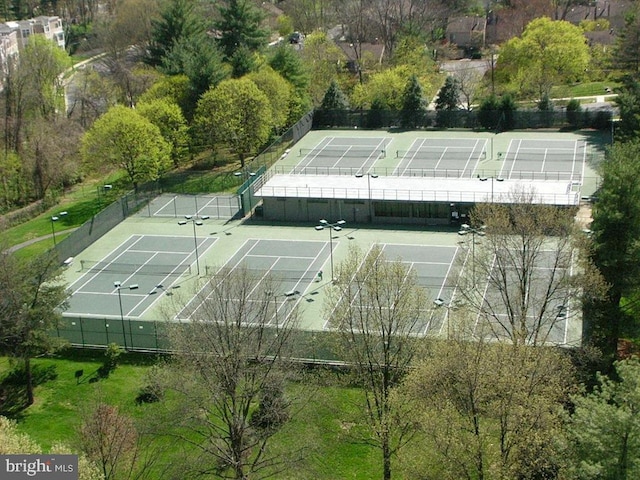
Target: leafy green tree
604, 430
237, 114
178, 21
168, 117
277, 90
485, 409
414, 105
616, 229
285, 25
323, 60
376, 306
548, 53
448, 101
31, 293
385, 86
287, 63
172, 88
123, 138
240, 26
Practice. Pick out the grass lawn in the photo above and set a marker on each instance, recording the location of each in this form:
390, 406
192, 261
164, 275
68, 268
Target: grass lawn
323, 420
588, 89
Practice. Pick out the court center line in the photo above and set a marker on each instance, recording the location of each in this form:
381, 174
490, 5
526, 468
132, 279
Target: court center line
412, 158
544, 160
157, 212
164, 279
471, 155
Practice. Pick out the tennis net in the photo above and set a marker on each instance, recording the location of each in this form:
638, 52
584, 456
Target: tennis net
141, 269
354, 152
438, 154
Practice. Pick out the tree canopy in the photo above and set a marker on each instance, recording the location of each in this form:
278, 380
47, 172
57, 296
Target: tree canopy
548, 53
236, 113
125, 139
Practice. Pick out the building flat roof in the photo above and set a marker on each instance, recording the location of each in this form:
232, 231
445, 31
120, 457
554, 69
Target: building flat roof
420, 189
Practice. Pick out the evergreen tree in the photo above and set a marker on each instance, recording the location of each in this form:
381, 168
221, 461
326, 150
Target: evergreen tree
604, 430
333, 110
628, 101
239, 26
448, 102
376, 114
626, 54
414, 106
508, 110
334, 98
574, 113
177, 22
287, 63
616, 229
489, 112
545, 107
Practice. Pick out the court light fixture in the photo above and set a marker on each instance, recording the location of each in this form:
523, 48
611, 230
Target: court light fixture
54, 219
196, 221
369, 177
337, 226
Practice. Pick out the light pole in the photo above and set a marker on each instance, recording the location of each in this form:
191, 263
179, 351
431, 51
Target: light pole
497, 179
54, 219
466, 228
337, 226
119, 287
369, 177
195, 220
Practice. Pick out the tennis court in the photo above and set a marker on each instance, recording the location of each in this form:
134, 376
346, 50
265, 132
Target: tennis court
342, 155
144, 266
540, 159
547, 305
294, 265
440, 157
214, 206
433, 266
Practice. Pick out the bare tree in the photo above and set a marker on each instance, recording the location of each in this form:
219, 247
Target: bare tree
469, 83
376, 308
227, 377
110, 439
529, 271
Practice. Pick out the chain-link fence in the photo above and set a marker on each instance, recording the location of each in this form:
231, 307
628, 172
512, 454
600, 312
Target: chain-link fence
496, 121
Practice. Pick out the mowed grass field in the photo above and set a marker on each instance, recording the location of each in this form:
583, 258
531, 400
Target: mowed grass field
325, 413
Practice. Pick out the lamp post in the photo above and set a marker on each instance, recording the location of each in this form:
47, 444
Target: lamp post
337, 226
369, 177
54, 219
195, 220
119, 287
465, 228
497, 179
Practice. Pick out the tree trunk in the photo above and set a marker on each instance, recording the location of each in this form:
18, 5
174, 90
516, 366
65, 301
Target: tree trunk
29, 380
386, 455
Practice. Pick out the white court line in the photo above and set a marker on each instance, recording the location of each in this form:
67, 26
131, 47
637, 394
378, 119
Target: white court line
515, 158
104, 268
544, 160
170, 252
444, 152
310, 158
157, 212
471, 155
504, 160
381, 145
171, 274
411, 158
261, 255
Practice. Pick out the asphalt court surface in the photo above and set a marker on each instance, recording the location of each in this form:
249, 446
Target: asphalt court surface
545, 289
153, 263
293, 264
214, 206
561, 159
433, 266
566, 158
334, 154
441, 154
